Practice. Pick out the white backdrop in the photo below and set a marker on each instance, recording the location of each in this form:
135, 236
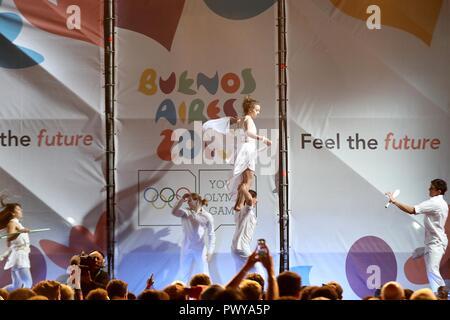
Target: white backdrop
161, 88
359, 84
51, 126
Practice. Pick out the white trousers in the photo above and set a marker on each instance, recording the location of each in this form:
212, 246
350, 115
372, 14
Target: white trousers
192, 263
433, 257
21, 278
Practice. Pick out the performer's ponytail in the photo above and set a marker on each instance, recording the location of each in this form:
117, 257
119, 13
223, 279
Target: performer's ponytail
248, 104
196, 196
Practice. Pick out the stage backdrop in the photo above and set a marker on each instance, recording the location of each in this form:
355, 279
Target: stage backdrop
51, 126
369, 112
180, 62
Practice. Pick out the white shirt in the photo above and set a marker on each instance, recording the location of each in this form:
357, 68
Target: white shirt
20, 248
435, 211
196, 227
245, 226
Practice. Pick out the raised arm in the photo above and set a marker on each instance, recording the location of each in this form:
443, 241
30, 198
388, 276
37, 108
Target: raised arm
237, 279
176, 211
402, 206
272, 284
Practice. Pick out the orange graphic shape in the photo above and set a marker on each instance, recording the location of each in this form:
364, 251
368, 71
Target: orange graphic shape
52, 17
418, 17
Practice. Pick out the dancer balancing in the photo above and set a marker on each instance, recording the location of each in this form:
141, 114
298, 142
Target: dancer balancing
245, 160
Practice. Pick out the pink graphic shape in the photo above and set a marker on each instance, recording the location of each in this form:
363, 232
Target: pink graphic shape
80, 239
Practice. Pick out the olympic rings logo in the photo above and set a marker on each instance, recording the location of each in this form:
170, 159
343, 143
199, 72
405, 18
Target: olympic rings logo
167, 195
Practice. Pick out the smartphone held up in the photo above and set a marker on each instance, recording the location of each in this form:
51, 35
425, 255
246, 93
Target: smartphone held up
262, 248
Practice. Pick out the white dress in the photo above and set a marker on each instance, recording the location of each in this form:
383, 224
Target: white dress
245, 154
20, 250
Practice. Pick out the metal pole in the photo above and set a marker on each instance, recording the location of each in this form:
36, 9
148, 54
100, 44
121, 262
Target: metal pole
283, 139
109, 41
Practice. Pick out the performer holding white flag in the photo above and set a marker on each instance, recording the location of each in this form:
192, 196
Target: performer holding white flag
435, 211
245, 160
18, 246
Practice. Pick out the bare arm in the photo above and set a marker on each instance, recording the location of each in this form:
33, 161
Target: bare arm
237, 279
272, 284
254, 135
13, 227
402, 206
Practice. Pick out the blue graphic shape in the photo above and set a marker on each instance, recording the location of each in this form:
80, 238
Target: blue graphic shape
239, 9
12, 56
304, 272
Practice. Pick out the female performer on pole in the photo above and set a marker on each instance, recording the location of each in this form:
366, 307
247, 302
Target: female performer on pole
245, 161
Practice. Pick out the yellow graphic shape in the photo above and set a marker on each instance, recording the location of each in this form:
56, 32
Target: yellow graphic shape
418, 17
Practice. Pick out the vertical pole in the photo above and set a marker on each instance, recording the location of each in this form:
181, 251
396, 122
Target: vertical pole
109, 41
283, 139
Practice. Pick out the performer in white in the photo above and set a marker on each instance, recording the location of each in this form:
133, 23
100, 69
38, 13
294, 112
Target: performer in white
245, 220
245, 160
18, 246
435, 211
199, 237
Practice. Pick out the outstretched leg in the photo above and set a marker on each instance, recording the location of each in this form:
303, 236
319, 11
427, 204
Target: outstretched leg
243, 194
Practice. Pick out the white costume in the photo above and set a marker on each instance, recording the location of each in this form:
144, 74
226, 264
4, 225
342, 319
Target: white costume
245, 227
243, 235
245, 155
196, 228
19, 261
435, 211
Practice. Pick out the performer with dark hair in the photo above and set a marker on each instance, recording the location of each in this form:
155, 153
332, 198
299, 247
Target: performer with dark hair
435, 211
18, 246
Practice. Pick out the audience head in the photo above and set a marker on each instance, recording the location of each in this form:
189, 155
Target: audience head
21, 294
408, 293
423, 294
392, 290
176, 291
200, 279
210, 292
99, 258
38, 297
97, 294
251, 290
48, 288
305, 292
442, 293
337, 288
151, 294
289, 284
4, 293
67, 293
256, 277
327, 292
117, 289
